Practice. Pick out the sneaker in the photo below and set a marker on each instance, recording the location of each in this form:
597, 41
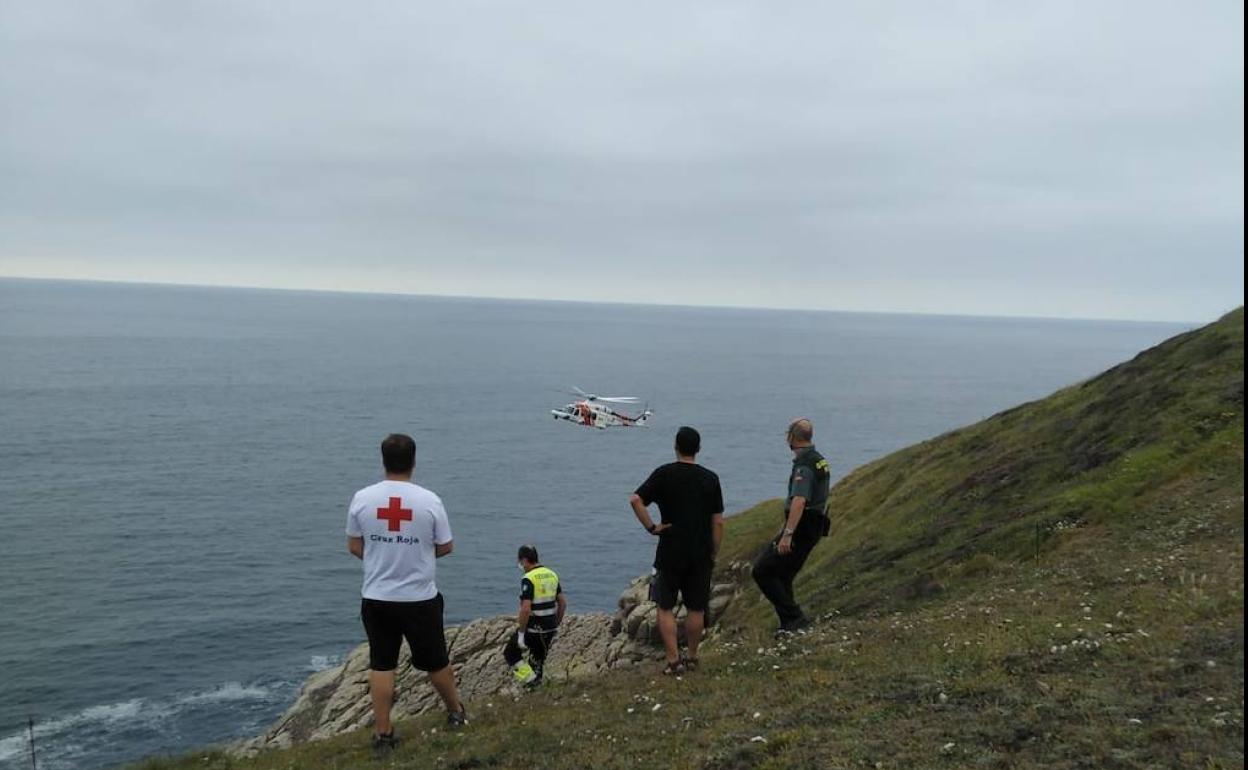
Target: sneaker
792, 627
674, 669
457, 719
384, 745
533, 685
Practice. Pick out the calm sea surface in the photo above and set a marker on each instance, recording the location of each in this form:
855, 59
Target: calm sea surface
175, 465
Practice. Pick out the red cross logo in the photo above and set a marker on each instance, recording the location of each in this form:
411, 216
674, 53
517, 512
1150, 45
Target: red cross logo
395, 514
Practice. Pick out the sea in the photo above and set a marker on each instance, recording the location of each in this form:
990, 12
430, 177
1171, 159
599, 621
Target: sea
176, 462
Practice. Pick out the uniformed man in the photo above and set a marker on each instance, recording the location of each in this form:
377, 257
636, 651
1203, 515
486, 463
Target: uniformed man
805, 522
542, 604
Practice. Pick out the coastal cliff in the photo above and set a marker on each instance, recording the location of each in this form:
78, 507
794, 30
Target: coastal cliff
1059, 585
336, 700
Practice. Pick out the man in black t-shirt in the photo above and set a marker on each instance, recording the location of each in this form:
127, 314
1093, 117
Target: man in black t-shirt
691, 506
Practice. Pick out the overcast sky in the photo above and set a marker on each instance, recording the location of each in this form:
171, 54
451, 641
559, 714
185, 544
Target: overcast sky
1019, 158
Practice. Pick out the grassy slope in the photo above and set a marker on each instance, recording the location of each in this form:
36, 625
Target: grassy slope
1060, 585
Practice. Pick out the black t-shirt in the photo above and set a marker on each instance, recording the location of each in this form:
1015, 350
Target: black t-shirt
688, 495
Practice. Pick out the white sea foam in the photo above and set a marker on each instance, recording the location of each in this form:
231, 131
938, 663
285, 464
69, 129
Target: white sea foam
223, 693
322, 662
13, 746
101, 719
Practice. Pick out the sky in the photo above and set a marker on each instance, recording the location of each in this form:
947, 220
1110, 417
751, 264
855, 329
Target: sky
1064, 159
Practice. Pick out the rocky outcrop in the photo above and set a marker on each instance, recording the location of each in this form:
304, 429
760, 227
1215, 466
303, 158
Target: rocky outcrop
336, 700
637, 616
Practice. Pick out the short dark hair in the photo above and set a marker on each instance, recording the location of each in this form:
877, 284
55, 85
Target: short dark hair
688, 441
398, 453
528, 553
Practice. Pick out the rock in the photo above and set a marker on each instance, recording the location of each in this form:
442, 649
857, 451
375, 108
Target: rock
336, 700
637, 616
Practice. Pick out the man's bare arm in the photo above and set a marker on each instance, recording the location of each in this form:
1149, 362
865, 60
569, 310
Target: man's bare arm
717, 533
795, 513
562, 601
440, 550
355, 546
643, 515
796, 507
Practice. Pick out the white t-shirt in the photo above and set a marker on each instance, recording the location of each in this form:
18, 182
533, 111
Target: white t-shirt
400, 523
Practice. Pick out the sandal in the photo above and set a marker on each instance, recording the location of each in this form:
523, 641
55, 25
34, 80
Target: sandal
674, 669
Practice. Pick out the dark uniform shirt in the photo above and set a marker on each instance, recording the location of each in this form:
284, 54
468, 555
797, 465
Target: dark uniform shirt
809, 479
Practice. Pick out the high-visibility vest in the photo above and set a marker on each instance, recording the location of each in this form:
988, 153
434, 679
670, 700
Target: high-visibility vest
545, 589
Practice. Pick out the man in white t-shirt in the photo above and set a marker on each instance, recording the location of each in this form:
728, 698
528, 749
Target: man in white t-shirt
398, 529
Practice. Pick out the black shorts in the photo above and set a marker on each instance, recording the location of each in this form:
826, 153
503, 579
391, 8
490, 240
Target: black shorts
692, 582
389, 623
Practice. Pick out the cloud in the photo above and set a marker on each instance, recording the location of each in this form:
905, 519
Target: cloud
1051, 159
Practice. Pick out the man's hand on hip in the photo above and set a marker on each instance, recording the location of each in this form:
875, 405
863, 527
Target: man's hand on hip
785, 545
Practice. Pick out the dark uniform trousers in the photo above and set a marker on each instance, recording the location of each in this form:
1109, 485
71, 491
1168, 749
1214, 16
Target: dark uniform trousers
538, 643
774, 573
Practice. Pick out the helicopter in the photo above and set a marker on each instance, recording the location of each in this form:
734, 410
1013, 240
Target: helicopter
593, 411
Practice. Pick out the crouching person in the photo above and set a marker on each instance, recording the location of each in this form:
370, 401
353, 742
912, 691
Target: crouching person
542, 604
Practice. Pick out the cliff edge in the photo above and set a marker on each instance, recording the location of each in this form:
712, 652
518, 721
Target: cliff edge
336, 700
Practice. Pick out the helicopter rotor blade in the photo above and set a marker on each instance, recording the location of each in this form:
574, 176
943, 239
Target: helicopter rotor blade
575, 391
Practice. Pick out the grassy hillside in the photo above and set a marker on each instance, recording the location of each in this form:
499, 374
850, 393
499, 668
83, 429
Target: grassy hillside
1058, 586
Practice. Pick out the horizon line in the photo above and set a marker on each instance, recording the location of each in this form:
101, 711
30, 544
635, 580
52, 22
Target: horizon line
622, 303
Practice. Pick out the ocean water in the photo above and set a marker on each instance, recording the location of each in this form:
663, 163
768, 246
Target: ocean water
175, 465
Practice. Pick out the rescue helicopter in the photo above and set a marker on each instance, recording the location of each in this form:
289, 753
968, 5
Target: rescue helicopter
594, 411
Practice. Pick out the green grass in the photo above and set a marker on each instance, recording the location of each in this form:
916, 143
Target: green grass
1058, 586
